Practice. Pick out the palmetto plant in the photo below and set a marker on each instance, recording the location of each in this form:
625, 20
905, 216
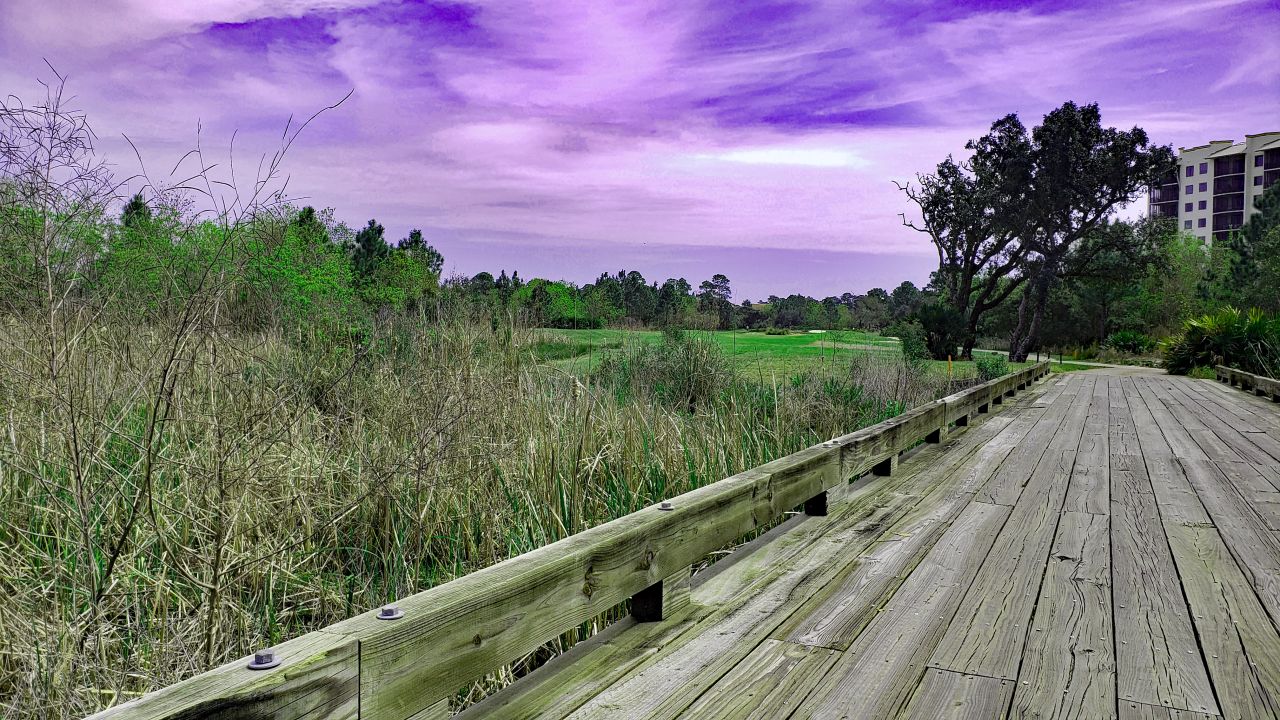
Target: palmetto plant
1248, 340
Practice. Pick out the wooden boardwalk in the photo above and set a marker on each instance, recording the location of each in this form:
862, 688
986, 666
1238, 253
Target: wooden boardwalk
1105, 546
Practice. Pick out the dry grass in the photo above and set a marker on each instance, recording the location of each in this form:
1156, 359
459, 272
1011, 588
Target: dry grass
170, 501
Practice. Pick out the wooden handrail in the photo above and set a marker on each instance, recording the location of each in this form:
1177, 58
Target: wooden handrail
1259, 384
453, 634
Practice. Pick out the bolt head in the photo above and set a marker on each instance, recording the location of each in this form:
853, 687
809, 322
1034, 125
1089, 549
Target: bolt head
666, 505
390, 612
264, 659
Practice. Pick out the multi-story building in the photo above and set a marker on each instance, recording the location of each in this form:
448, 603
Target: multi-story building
1213, 190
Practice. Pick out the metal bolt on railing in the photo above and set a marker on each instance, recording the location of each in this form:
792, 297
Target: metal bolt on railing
666, 505
390, 612
264, 659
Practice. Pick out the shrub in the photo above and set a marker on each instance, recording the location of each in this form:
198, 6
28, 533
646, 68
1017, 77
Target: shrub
991, 366
683, 371
1129, 341
776, 331
1247, 340
915, 346
944, 329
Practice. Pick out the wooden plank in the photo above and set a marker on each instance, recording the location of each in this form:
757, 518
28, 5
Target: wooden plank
1068, 664
1090, 487
1241, 647
834, 617
768, 684
877, 675
955, 696
986, 635
1175, 497
317, 679
1157, 658
1141, 711
1255, 548
1254, 446
1175, 435
1255, 485
1007, 482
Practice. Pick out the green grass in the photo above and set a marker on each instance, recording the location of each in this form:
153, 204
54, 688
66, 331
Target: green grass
753, 353
1069, 367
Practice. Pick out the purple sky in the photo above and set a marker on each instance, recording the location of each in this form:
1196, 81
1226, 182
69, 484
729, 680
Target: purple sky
757, 139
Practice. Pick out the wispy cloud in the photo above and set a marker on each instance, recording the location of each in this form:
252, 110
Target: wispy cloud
502, 126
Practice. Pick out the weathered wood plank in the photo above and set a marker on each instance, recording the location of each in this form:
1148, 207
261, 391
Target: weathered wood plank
1068, 664
1255, 547
1157, 658
988, 631
1175, 497
1241, 647
1141, 711
318, 679
1175, 434
834, 617
769, 683
1007, 482
877, 675
955, 696
1254, 483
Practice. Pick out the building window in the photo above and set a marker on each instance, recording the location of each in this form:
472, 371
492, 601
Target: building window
1201, 222
1257, 161
1201, 239
1204, 187
1191, 189
1257, 180
1191, 170
1186, 208
1186, 224
1204, 204
1204, 168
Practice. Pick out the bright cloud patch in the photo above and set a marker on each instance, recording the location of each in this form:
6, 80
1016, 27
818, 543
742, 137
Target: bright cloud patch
810, 157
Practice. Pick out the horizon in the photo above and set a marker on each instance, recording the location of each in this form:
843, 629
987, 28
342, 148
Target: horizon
674, 139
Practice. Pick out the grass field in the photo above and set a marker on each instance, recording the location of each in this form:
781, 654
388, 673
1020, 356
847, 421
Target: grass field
576, 351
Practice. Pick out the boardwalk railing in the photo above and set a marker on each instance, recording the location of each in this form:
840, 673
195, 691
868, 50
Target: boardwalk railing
408, 666
1259, 384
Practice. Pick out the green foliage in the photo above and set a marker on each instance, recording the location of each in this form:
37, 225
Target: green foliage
1129, 341
1248, 341
915, 345
944, 329
990, 366
554, 305
776, 331
683, 371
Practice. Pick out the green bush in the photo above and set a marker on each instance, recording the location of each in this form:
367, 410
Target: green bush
915, 346
683, 371
1129, 341
944, 330
776, 331
1249, 341
991, 366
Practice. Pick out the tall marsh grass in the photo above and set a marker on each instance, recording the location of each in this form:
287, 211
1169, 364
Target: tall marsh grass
273, 485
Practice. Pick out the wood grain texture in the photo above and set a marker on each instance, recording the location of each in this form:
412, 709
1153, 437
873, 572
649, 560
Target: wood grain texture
986, 635
1140, 711
834, 617
955, 696
1068, 664
876, 677
1255, 548
1241, 646
318, 679
1157, 658
769, 683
